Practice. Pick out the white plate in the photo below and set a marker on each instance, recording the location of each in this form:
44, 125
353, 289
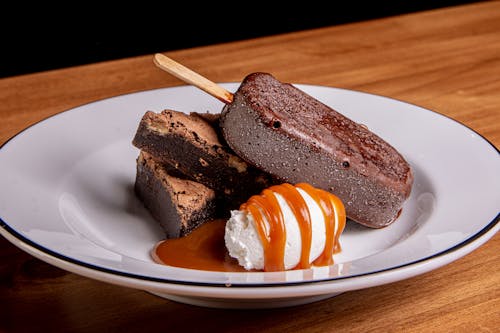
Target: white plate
66, 197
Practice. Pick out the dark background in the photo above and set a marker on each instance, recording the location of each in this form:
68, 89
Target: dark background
38, 37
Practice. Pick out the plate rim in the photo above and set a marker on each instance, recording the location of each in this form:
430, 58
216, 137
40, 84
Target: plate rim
478, 237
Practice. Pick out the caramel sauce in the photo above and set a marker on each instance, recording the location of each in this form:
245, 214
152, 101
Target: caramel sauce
273, 240
204, 248
335, 218
299, 208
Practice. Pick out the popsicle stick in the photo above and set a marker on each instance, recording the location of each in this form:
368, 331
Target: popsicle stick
191, 77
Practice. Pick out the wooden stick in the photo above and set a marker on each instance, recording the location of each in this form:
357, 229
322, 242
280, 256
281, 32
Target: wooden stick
191, 77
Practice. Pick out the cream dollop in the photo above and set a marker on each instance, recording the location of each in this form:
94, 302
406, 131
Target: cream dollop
244, 243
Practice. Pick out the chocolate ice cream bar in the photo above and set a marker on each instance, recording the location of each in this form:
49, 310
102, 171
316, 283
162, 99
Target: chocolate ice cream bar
291, 135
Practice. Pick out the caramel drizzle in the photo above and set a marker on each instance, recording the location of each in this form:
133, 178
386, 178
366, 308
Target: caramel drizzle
273, 240
266, 207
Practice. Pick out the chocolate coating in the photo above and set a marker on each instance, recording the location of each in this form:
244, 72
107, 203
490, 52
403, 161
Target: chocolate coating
291, 135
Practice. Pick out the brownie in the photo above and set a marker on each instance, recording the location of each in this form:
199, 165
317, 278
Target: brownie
179, 205
191, 144
282, 130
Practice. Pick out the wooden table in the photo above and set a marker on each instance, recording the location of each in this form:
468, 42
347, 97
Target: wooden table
447, 60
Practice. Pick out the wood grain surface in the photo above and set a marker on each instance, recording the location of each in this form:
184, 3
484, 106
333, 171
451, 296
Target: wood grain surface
446, 60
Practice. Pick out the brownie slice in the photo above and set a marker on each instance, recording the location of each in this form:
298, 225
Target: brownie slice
291, 135
179, 205
192, 145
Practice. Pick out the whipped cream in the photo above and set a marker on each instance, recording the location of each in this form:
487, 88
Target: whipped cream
244, 243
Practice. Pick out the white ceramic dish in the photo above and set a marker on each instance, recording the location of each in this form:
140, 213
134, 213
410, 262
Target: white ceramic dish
66, 197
